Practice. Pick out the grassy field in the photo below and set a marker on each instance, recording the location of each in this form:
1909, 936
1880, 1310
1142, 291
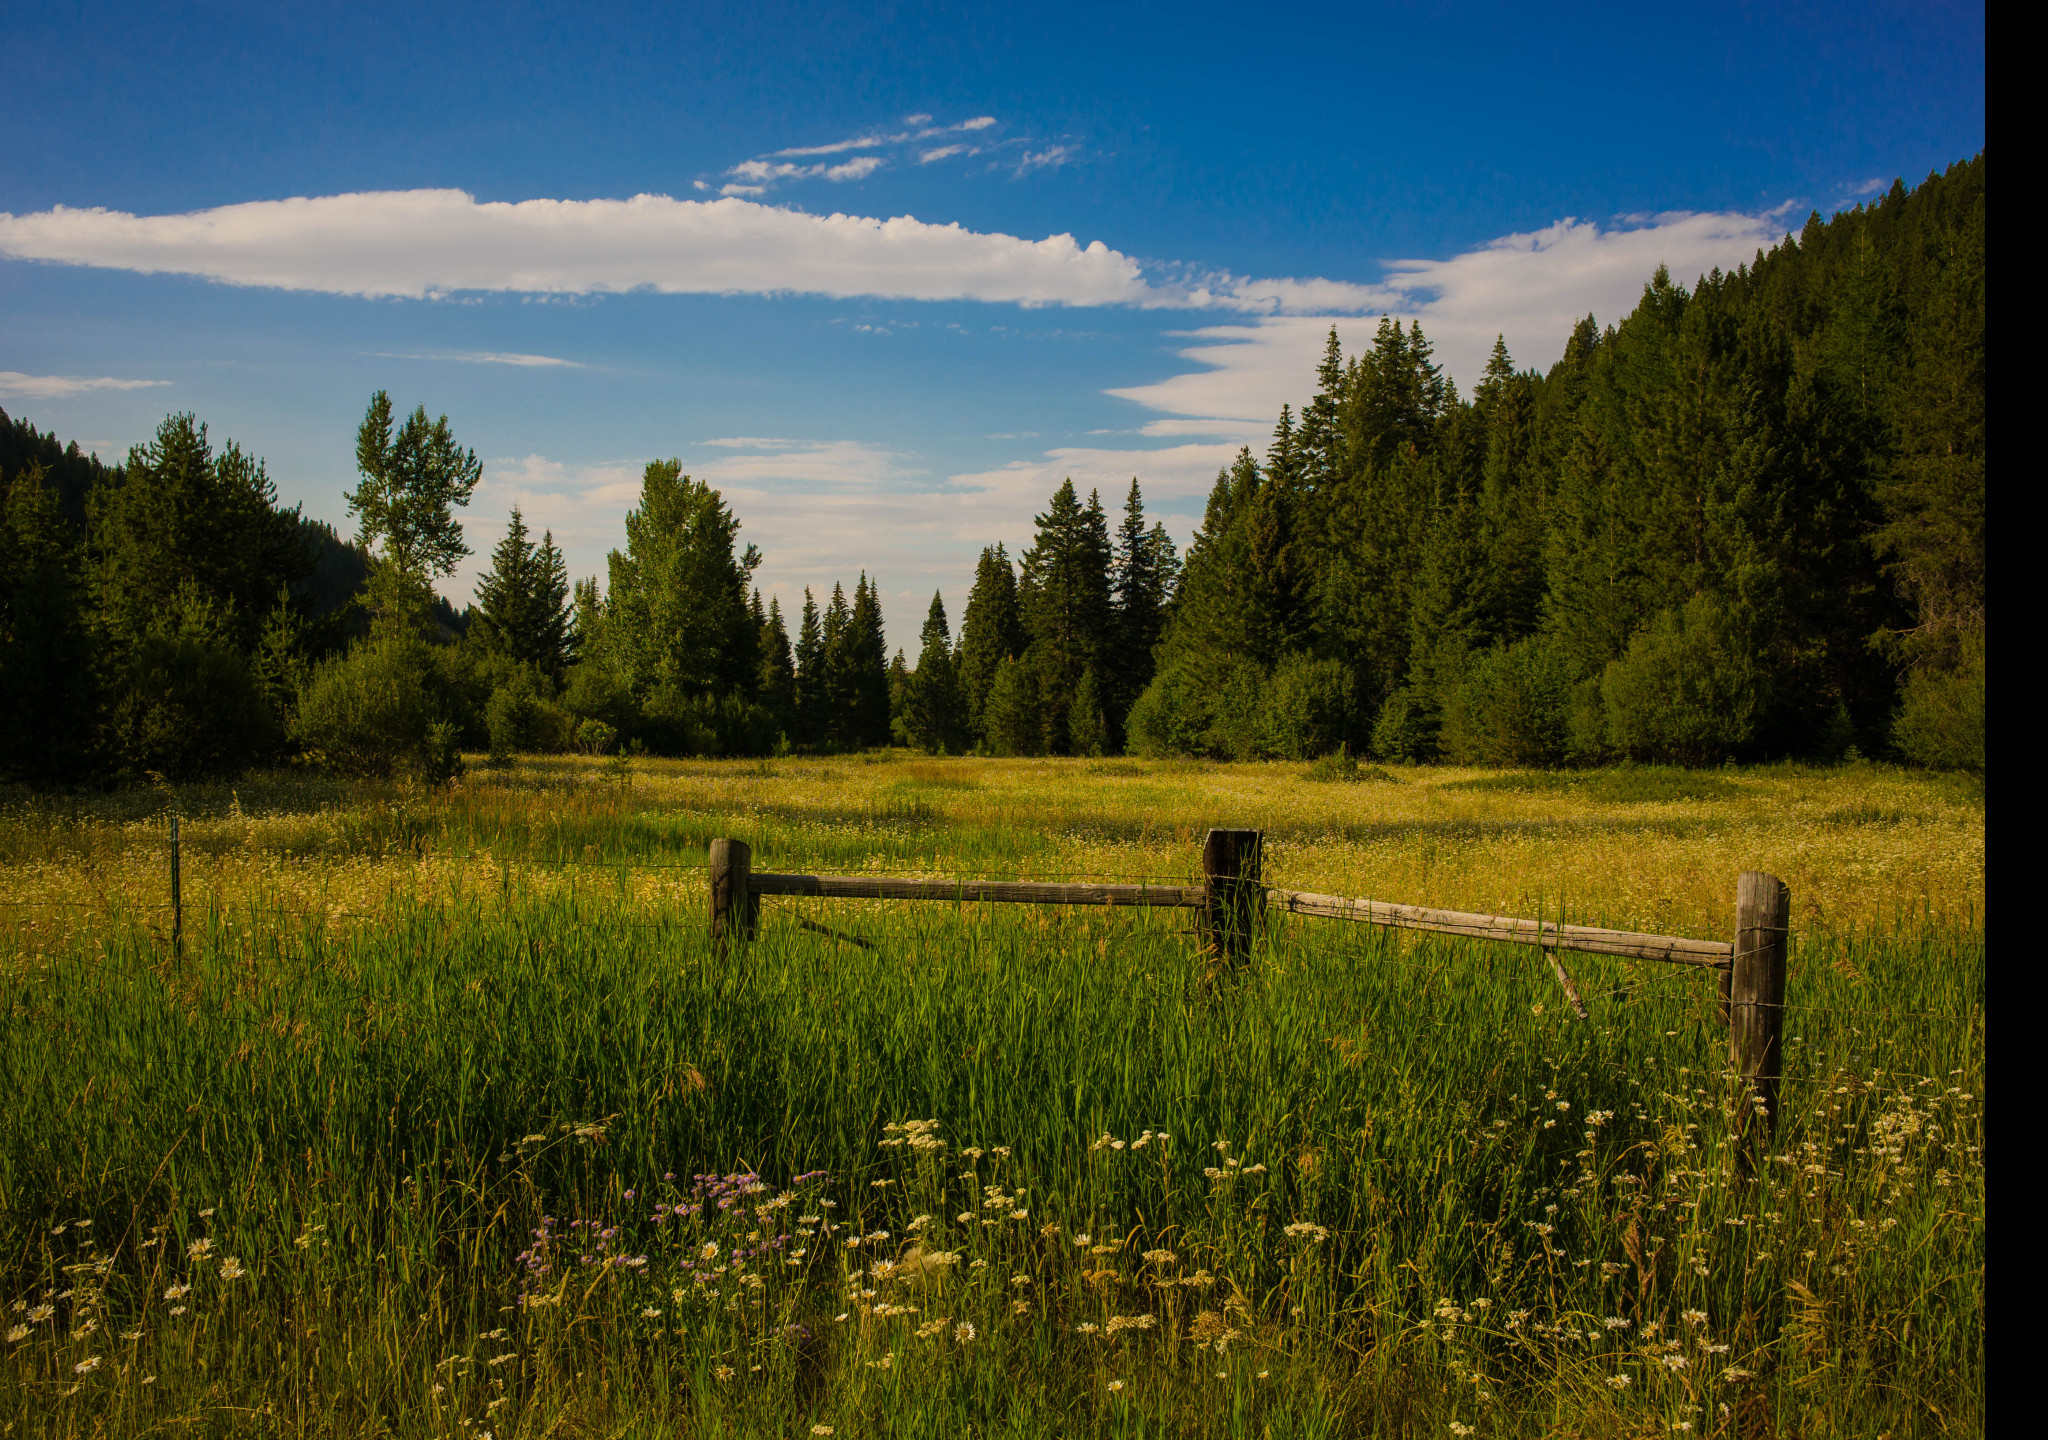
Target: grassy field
448, 1121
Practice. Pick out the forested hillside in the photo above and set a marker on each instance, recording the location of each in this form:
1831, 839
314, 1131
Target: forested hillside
1746, 521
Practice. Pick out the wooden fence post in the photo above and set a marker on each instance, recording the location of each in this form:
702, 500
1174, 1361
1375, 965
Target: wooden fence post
734, 905
1756, 1006
177, 897
1231, 873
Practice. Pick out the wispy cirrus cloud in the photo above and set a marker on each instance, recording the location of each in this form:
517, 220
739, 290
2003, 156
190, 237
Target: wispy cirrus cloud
59, 387
484, 357
756, 177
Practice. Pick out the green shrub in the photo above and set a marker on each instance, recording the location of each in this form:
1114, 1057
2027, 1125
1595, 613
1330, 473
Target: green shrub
1688, 692
1171, 717
677, 724
186, 701
1940, 722
1308, 709
594, 692
1406, 728
373, 710
1511, 707
1237, 720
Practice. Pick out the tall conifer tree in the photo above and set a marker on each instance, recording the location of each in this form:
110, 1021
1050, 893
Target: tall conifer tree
991, 630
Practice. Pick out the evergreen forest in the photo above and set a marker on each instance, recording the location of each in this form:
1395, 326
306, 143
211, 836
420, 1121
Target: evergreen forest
1743, 522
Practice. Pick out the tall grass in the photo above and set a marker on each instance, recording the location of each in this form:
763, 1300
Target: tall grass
1376, 1184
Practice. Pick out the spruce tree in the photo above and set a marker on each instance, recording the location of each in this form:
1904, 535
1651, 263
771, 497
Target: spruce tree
1087, 731
1144, 572
1011, 721
1064, 597
775, 685
991, 630
185, 519
935, 713
899, 701
523, 609
868, 655
836, 700
813, 687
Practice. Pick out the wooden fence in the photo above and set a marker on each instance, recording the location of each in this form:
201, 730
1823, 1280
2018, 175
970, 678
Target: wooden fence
1232, 901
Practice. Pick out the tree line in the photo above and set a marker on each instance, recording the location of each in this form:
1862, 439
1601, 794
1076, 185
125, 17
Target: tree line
1746, 521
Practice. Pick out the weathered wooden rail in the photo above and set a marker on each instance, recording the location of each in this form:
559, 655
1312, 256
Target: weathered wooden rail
1232, 901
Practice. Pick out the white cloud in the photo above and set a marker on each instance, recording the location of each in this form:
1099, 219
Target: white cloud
1866, 187
487, 357
1049, 158
424, 242
761, 172
60, 387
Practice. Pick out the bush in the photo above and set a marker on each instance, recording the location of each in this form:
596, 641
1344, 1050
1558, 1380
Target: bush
677, 724
595, 693
1512, 707
1309, 708
520, 717
1237, 722
374, 710
186, 701
1940, 722
1688, 692
1406, 728
1171, 717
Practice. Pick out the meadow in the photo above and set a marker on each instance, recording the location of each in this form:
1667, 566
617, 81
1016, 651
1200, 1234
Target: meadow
446, 1119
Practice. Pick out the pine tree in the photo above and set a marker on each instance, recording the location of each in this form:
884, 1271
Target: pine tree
1064, 597
1144, 572
836, 701
523, 608
184, 518
1011, 720
775, 686
868, 654
934, 712
813, 686
991, 630
1087, 731
899, 701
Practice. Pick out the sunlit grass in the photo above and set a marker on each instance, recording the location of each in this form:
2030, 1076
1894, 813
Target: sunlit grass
1390, 1185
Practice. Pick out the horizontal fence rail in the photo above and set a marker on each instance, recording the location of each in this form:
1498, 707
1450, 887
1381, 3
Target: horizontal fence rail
1673, 949
1013, 892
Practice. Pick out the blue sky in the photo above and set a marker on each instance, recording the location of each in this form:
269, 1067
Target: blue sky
1132, 226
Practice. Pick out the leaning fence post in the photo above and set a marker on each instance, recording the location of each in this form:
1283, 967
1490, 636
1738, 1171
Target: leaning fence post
177, 898
1231, 866
733, 902
1756, 1005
